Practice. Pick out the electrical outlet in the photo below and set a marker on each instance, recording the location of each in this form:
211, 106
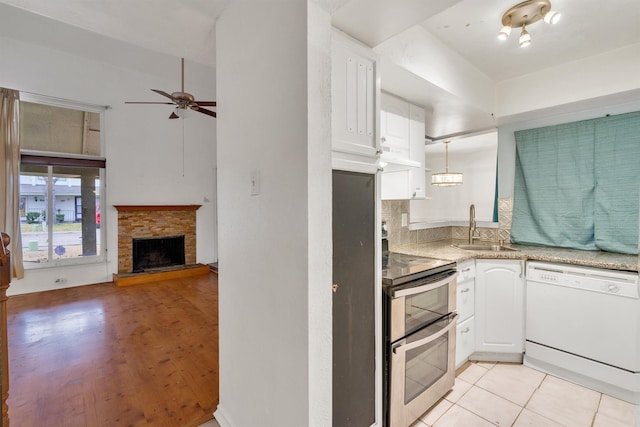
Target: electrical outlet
405, 220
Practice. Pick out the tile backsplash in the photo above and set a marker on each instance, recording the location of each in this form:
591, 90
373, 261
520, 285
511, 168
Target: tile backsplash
392, 211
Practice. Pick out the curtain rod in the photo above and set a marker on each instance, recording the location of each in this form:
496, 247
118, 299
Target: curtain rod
64, 101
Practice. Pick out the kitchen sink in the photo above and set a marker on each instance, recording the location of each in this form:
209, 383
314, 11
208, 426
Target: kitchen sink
479, 247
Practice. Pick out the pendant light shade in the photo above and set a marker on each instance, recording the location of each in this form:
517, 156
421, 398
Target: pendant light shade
446, 178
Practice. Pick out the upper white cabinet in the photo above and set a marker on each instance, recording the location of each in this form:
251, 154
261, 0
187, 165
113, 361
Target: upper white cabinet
353, 98
416, 150
499, 312
402, 143
394, 128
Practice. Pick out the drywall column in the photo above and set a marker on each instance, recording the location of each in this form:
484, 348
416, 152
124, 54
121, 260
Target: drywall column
274, 198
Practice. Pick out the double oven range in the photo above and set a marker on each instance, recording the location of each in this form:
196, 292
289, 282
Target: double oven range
419, 320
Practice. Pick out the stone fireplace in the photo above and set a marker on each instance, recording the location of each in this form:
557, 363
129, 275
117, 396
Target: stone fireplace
151, 222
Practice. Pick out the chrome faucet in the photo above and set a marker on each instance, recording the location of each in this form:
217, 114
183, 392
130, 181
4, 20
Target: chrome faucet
474, 234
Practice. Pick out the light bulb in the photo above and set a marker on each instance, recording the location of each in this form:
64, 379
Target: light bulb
525, 38
552, 17
504, 32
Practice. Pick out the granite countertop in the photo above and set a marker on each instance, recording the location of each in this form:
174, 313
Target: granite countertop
444, 249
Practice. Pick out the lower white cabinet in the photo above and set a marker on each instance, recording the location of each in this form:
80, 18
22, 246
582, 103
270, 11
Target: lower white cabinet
499, 308
465, 341
465, 306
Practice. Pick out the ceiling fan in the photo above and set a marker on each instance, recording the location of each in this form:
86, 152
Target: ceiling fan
182, 100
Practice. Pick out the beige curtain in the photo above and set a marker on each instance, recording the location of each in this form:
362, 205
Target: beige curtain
10, 176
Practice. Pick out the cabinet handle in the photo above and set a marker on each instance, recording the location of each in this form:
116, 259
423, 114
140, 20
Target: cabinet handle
334, 288
383, 139
379, 152
465, 330
464, 290
464, 270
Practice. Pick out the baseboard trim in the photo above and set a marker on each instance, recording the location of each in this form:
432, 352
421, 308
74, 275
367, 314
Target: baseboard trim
221, 418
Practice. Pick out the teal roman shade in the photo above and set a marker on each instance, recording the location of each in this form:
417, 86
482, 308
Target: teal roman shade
577, 185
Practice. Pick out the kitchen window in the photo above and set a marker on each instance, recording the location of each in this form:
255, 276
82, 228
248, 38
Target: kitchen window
62, 174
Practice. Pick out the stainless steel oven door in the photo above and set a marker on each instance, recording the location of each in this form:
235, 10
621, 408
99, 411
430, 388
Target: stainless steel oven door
422, 370
421, 302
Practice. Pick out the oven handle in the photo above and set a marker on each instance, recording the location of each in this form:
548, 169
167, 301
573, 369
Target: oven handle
424, 288
427, 340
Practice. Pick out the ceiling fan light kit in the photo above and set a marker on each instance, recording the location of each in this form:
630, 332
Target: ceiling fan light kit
183, 101
527, 13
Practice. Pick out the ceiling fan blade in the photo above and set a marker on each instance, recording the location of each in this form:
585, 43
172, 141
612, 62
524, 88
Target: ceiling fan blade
205, 111
206, 103
143, 102
164, 94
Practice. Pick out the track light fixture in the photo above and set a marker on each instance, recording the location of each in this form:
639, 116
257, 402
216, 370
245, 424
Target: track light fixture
526, 13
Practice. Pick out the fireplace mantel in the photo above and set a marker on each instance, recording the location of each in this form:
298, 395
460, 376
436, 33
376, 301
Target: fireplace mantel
124, 208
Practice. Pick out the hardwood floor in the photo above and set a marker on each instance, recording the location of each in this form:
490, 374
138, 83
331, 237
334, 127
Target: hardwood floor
100, 355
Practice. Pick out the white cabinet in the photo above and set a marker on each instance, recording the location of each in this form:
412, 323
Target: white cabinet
416, 150
402, 144
465, 341
499, 308
394, 128
465, 306
353, 98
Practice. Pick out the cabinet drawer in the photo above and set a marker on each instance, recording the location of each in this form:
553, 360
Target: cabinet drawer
465, 341
465, 299
466, 270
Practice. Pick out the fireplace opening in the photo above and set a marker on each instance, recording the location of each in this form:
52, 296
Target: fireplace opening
157, 252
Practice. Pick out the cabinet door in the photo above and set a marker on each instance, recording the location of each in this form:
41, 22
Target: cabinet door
499, 313
416, 150
354, 374
465, 341
394, 127
353, 89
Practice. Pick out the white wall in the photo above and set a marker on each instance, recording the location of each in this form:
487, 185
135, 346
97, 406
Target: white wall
476, 158
275, 263
144, 150
612, 72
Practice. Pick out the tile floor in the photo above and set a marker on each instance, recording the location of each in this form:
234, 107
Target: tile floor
504, 394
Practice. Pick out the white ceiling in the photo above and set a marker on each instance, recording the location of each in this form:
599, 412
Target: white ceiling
179, 28
587, 28
469, 27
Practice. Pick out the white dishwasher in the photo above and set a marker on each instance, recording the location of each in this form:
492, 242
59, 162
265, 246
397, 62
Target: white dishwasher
583, 324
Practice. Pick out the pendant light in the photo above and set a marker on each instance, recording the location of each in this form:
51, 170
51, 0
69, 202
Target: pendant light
446, 178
